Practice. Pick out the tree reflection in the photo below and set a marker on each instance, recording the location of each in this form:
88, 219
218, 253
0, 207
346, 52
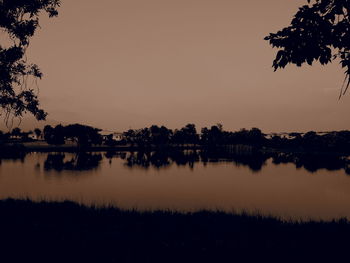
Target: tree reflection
15, 152
313, 162
254, 160
147, 159
183, 158
79, 162
163, 159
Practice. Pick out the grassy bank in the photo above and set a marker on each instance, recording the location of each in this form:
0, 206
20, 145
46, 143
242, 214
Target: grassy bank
67, 232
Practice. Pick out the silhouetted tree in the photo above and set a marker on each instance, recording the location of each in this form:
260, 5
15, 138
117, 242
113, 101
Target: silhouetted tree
20, 19
143, 137
130, 136
312, 140
204, 137
83, 135
54, 135
190, 134
186, 135
212, 136
178, 137
58, 135
109, 140
160, 135
48, 132
37, 132
319, 31
255, 137
16, 132
25, 136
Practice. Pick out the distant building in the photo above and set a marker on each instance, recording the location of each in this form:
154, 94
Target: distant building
116, 136
284, 135
15, 137
33, 136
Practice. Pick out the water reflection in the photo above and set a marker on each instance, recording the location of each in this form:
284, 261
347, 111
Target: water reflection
162, 159
147, 159
15, 152
313, 162
186, 181
79, 162
255, 161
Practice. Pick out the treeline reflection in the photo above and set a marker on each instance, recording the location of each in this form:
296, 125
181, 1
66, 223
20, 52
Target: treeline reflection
79, 162
162, 159
15, 152
255, 161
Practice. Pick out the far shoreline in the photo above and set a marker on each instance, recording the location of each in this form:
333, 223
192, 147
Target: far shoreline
42, 146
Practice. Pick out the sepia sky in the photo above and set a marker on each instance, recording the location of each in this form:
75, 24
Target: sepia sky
119, 64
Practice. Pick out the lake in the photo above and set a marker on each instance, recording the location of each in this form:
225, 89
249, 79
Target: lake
285, 186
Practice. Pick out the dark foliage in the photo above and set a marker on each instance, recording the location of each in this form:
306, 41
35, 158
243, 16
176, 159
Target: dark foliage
319, 31
186, 135
83, 135
54, 135
19, 19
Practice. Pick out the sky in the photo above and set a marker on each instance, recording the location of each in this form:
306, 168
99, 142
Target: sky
120, 64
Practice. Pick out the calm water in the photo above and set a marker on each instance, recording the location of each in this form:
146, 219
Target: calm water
184, 181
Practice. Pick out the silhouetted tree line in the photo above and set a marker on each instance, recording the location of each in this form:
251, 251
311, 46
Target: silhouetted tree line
161, 136
216, 136
327, 142
18, 135
188, 135
156, 135
82, 135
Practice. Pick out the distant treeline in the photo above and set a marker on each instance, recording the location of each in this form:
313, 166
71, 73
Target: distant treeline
154, 136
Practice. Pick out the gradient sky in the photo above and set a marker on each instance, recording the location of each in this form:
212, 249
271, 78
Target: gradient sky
119, 64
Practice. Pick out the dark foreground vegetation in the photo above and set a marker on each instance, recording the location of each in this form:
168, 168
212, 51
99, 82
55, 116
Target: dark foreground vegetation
67, 232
